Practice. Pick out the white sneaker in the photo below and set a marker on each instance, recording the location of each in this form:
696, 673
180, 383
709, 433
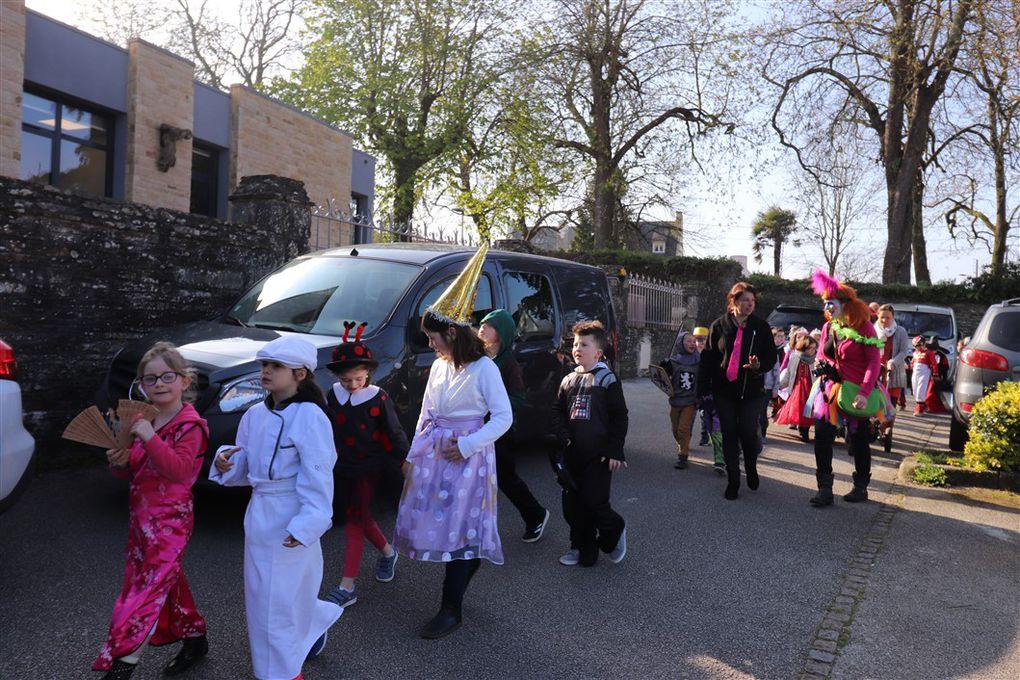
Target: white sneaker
571, 559
618, 553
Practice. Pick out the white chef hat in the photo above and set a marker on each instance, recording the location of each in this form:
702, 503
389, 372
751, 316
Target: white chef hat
290, 351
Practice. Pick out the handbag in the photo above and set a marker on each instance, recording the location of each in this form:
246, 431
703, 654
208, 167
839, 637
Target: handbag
848, 391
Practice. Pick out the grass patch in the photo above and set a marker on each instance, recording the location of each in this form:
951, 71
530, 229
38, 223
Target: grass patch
929, 474
938, 457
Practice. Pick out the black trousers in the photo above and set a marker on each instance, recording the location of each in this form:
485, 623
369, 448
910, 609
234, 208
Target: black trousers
513, 486
458, 576
857, 440
739, 422
594, 525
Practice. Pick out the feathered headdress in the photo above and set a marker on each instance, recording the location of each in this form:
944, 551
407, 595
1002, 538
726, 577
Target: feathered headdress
830, 288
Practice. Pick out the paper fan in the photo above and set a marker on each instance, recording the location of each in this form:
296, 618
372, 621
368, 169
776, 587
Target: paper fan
89, 427
125, 416
661, 379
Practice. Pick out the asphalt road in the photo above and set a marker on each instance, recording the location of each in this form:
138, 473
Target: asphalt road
709, 588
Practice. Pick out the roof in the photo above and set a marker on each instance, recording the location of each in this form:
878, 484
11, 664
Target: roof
427, 253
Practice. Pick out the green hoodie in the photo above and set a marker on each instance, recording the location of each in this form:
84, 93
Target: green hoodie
513, 380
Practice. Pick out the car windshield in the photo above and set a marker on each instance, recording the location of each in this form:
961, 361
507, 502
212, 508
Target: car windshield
926, 323
316, 295
784, 318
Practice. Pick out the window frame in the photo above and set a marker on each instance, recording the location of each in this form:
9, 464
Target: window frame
56, 135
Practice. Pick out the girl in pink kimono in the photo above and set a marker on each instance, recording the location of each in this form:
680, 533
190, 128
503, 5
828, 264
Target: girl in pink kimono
155, 606
448, 507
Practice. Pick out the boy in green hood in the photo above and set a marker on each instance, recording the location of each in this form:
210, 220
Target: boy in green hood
497, 332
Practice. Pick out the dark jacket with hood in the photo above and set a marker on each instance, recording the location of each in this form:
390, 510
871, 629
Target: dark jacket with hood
715, 358
591, 414
684, 372
509, 369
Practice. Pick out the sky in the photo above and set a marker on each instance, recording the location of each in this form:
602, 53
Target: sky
720, 220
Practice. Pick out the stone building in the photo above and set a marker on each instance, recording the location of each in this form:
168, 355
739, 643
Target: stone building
133, 124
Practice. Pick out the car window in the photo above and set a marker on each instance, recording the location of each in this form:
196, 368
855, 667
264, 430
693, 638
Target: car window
531, 304
317, 294
926, 323
583, 297
784, 318
1004, 331
483, 305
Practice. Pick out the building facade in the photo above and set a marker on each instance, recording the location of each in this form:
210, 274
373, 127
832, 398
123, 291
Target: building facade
133, 124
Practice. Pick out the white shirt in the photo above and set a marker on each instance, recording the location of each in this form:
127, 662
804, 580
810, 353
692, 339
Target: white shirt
474, 389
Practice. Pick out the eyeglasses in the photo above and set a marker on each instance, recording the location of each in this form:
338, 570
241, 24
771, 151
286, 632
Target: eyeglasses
150, 380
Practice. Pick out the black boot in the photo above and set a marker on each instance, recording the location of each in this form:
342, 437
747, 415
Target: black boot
732, 483
120, 670
442, 624
860, 491
751, 467
824, 495
192, 650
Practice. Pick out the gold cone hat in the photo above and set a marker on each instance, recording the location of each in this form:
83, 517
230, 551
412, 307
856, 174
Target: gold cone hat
458, 300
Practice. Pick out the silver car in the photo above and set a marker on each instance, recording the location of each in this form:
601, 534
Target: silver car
16, 444
991, 356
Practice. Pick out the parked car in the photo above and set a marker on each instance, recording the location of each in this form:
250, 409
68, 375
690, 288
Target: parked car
991, 356
389, 287
785, 316
930, 321
17, 447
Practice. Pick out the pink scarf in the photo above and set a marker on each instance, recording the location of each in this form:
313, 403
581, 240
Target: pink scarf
734, 365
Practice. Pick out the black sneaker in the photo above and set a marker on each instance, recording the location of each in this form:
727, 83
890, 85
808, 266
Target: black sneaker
533, 532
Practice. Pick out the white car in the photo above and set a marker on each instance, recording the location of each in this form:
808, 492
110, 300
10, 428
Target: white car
16, 444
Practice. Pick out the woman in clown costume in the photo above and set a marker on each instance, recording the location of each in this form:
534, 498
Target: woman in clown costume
448, 507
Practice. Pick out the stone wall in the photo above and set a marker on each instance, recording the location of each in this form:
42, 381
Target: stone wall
12, 74
160, 91
271, 138
80, 276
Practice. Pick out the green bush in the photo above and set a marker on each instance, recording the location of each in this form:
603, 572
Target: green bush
995, 430
930, 475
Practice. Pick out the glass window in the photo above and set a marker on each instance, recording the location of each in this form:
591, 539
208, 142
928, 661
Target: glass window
530, 297
583, 297
927, 324
64, 145
204, 173
317, 294
82, 168
36, 157
1005, 331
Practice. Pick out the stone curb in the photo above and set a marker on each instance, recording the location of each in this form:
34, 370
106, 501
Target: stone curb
834, 630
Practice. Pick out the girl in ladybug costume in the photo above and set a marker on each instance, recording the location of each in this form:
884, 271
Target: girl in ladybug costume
369, 439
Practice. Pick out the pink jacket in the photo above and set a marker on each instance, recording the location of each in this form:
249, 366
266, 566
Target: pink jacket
857, 363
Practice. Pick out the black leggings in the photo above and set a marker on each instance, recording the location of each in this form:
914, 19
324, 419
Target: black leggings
739, 421
458, 576
857, 440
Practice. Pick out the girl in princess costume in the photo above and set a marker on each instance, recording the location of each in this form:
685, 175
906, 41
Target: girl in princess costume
448, 508
850, 355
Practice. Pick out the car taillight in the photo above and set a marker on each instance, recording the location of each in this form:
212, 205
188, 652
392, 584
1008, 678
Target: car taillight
979, 358
965, 407
8, 364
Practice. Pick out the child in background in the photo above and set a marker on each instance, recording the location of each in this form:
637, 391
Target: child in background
155, 606
497, 332
369, 441
683, 403
922, 362
700, 334
591, 425
710, 423
285, 453
771, 382
792, 412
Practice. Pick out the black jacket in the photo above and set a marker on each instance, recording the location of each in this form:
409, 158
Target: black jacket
716, 357
591, 413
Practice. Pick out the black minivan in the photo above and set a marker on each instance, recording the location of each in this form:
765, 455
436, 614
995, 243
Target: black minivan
388, 286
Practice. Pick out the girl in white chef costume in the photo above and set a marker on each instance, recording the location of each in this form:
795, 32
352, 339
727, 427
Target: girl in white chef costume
285, 453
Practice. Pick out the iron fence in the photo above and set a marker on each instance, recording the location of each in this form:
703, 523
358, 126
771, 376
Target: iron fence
332, 227
654, 304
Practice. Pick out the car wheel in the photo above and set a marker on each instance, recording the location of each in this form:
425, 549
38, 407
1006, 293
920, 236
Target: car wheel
958, 435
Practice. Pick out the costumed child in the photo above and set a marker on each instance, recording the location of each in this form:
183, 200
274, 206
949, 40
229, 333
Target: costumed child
710, 423
591, 427
155, 606
369, 443
497, 332
924, 365
848, 391
448, 508
771, 382
285, 452
939, 365
792, 412
700, 334
683, 406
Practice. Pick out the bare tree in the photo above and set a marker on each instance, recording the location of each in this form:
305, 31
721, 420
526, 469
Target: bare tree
260, 42
882, 64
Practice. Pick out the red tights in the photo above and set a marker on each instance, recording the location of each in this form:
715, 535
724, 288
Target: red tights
359, 526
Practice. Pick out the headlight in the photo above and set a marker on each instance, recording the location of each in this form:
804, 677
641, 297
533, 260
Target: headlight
239, 394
